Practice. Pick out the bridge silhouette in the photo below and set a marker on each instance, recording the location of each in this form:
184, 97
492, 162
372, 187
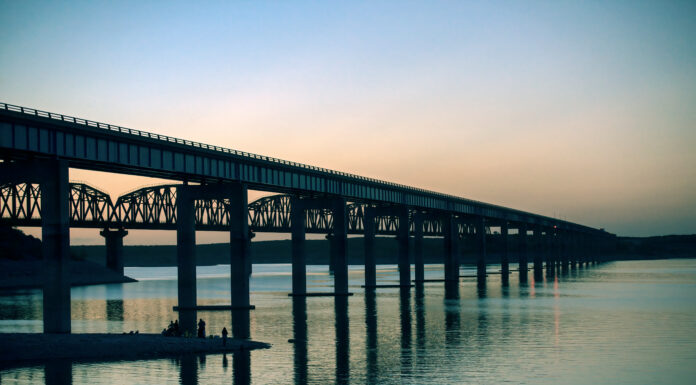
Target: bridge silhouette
37, 148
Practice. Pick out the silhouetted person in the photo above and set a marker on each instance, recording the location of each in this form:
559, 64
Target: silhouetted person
224, 336
201, 328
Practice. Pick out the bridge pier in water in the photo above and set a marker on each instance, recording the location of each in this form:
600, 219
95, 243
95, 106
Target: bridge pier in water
338, 245
538, 249
481, 255
186, 258
451, 239
240, 244
240, 261
53, 178
369, 246
403, 239
370, 213
297, 230
418, 247
337, 239
113, 240
504, 257
522, 251
55, 246
549, 253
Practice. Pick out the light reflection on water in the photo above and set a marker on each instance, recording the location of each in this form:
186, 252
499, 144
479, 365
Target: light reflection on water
624, 322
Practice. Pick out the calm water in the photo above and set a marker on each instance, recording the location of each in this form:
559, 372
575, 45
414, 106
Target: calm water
630, 322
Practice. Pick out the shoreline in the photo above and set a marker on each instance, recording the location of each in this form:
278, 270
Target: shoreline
26, 349
28, 274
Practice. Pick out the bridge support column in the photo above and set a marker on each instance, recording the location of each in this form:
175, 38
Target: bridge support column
114, 248
563, 246
573, 250
549, 253
240, 258
481, 255
504, 258
55, 246
522, 235
299, 262
418, 246
403, 239
538, 249
186, 258
369, 243
338, 246
451, 230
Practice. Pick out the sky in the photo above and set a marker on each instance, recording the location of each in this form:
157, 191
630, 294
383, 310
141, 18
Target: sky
580, 110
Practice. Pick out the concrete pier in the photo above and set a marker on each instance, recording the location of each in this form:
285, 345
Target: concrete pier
522, 251
114, 248
403, 239
549, 253
55, 246
564, 250
299, 263
418, 246
538, 250
338, 246
451, 230
504, 257
240, 258
481, 255
186, 259
369, 244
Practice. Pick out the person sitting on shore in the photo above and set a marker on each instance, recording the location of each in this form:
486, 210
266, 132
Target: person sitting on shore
224, 336
201, 328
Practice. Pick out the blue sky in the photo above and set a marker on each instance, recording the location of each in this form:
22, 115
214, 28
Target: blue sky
581, 110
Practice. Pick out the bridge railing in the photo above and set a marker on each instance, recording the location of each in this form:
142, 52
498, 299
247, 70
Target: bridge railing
150, 135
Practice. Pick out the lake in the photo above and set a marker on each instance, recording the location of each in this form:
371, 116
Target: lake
627, 322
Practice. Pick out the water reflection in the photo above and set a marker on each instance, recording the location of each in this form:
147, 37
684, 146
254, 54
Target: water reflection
420, 317
299, 322
342, 340
188, 369
451, 289
114, 302
241, 366
452, 321
371, 335
405, 317
453, 334
58, 372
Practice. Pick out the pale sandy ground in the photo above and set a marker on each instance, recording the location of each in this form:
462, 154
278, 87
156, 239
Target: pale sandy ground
19, 348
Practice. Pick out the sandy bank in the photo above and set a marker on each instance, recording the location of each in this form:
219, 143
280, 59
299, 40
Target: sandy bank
19, 348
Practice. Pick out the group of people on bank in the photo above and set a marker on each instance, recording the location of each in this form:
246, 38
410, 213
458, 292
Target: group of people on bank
173, 330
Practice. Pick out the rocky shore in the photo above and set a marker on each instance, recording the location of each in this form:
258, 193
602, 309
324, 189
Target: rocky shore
19, 349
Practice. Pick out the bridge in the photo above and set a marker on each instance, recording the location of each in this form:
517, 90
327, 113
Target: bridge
37, 148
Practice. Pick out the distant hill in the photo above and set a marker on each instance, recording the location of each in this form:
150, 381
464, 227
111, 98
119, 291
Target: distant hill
668, 246
317, 251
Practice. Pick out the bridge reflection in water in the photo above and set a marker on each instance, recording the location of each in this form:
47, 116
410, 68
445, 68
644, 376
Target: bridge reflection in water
396, 340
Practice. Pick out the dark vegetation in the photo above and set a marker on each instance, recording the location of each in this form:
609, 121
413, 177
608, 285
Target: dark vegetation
21, 264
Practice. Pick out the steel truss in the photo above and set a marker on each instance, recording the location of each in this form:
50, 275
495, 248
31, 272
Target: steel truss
154, 207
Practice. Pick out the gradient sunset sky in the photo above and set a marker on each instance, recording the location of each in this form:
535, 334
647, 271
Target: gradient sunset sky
580, 110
